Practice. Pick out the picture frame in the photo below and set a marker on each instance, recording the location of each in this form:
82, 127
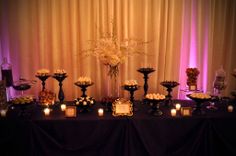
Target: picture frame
186, 111
71, 111
122, 107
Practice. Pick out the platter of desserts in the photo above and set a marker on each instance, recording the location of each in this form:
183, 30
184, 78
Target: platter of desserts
131, 85
169, 84
42, 73
59, 73
84, 81
22, 100
155, 97
199, 97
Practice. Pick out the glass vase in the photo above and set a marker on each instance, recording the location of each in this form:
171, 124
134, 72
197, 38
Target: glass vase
113, 86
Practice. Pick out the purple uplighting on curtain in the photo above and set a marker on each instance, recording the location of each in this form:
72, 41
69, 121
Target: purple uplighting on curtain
205, 52
6, 47
193, 40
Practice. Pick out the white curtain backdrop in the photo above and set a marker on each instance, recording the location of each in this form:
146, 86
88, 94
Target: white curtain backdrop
51, 34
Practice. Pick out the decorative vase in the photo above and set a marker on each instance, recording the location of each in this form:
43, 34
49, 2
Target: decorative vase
192, 75
113, 87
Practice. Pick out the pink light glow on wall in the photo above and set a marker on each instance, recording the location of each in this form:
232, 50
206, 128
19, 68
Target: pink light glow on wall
193, 38
205, 51
189, 48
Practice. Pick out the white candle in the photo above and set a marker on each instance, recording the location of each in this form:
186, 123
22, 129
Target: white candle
230, 108
178, 106
100, 112
173, 112
3, 113
63, 107
46, 111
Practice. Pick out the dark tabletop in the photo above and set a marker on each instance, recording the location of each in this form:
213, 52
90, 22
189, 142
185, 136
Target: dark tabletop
141, 134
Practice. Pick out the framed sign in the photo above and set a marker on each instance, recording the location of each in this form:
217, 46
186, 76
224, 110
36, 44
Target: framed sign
186, 111
70, 111
3, 94
122, 107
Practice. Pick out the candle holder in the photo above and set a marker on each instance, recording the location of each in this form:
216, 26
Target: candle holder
83, 87
60, 78
198, 107
145, 72
155, 107
43, 79
169, 85
131, 90
84, 104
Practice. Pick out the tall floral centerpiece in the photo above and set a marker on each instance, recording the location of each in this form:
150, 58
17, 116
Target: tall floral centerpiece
192, 74
112, 51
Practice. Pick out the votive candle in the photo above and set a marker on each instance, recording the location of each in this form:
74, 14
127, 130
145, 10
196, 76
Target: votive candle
63, 107
100, 112
46, 111
178, 106
3, 113
173, 112
230, 108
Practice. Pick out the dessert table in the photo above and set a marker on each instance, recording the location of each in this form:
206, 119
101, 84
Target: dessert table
140, 135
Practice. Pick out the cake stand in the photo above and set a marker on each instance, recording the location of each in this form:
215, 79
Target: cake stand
131, 90
145, 72
169, 85
198, 107
60, 78
43, 79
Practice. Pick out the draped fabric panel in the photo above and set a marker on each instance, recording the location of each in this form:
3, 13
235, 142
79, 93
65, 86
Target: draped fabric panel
51, 34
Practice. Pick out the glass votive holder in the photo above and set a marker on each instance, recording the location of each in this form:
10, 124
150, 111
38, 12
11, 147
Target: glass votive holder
3, 112
173, 112
100, 112
230, 108
46, 111
178, 106
63, 107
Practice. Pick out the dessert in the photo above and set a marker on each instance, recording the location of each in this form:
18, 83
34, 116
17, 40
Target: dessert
84, 81
60, 72
155, 96
23, 100
200, 96
131, 83
42, 72
46, 97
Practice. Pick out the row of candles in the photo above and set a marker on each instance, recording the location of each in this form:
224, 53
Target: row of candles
63, 108
173, 111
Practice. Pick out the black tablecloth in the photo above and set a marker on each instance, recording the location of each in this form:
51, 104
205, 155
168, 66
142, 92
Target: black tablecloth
140, 135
